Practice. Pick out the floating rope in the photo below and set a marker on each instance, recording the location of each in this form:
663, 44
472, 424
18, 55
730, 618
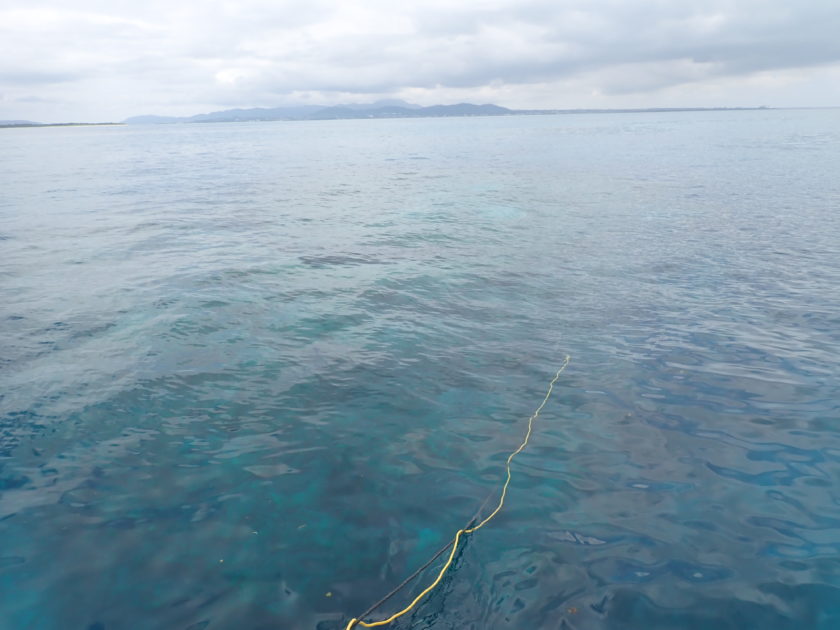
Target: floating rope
461, 532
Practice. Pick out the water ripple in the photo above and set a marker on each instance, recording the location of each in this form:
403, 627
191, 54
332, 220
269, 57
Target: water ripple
245, 386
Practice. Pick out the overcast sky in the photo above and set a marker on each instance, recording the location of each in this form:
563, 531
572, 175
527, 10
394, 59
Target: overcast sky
95, 60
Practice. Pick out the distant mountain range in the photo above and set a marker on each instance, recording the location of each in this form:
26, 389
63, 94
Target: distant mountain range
379, 109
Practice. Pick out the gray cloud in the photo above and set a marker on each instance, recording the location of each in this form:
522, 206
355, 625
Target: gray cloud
114, 59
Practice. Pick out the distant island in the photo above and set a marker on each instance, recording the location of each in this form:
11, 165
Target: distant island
379, 109
390, 108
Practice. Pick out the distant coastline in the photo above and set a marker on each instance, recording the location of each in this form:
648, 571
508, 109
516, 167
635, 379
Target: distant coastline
378, 110
391, 109
14, 124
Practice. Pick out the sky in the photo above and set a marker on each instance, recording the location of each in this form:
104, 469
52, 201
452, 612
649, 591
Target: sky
106, 60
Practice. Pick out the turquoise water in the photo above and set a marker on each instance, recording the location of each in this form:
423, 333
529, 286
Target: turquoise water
252, 375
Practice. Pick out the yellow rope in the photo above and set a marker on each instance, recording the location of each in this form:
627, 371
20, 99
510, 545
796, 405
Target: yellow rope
460, 532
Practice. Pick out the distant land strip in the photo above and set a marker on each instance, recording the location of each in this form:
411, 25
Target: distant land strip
379, 109
6, 124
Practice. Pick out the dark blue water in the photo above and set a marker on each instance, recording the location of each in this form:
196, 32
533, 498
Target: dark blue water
252, 375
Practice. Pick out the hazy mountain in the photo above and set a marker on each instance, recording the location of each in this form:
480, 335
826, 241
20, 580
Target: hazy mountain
397, 111
385, 102
389, 108
466, 109
257, 113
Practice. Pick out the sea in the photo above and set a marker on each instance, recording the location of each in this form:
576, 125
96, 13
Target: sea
253, 375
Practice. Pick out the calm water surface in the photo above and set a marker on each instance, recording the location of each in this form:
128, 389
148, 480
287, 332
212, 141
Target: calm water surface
252, 375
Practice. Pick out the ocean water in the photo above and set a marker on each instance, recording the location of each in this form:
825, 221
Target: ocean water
252, 375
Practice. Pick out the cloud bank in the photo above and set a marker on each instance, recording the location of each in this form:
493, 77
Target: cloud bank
111, 59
